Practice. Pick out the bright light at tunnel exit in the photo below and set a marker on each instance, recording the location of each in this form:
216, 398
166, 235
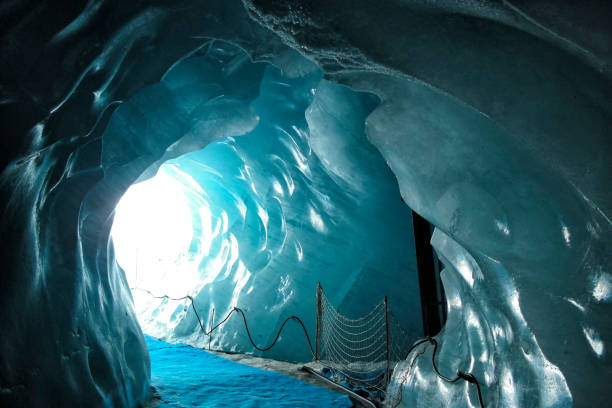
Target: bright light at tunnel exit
152, 232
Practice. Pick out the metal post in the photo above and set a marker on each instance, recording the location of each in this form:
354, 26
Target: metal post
387, 330
319, 322
212, 322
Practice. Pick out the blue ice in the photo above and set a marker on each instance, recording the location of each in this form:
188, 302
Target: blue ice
288, 193
185, 376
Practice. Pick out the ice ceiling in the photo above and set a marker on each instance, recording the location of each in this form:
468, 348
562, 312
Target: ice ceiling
493, 117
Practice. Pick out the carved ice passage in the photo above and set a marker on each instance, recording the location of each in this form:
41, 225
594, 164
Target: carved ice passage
294, 194
492, 118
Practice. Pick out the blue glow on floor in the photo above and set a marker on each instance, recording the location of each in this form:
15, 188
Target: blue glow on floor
185, 376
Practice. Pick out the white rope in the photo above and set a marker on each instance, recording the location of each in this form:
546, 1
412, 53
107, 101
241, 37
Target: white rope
361, 350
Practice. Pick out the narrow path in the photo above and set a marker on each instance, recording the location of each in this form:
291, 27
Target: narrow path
184, 376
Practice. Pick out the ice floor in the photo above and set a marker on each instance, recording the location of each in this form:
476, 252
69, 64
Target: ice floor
184, 376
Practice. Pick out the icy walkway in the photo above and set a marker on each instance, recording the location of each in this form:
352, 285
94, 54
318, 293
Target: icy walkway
185, 376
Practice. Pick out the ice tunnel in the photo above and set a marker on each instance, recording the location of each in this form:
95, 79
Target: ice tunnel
239, 152
259, 217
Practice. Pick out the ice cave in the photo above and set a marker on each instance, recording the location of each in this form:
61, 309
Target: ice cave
411, 199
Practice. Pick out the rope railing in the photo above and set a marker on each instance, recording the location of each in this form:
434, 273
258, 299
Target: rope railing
342, 344
461, 375
228, 315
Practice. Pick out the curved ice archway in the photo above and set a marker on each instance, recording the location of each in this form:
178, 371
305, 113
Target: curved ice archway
257, 218
508, 66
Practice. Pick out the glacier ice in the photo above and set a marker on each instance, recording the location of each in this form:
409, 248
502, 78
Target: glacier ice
173, 365
257, 220
494, 117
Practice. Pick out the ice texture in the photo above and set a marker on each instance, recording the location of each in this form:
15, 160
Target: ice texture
494, 118
301, 198
173, 365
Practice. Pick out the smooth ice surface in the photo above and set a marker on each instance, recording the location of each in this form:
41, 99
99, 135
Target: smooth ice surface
486, 335
494, 117
499, 135
256, 221
184, 376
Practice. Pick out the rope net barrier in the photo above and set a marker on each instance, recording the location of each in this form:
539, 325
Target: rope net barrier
362, 350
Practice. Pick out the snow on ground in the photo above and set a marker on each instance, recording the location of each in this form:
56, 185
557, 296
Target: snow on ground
185, 376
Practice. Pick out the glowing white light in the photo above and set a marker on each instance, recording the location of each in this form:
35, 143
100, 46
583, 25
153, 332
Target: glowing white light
241, 206
594, 340
233, 254
97, 95
317, 221
509, 387
152, 233
602, 288
295, 151
206, 220
241, 278
576, 304
515, 304
566, 235
277, 187
503, 227
465, 270
299, 251
186, 178
225, 221
218, 263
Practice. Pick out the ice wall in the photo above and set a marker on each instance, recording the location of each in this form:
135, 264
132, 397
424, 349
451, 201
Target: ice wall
70, 336
301, 198
497, 128
515, 216
504, 105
